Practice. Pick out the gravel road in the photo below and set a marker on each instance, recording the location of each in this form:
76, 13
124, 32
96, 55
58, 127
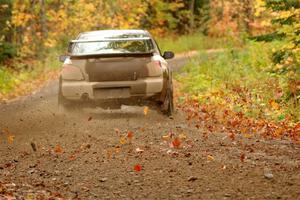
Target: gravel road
125, 154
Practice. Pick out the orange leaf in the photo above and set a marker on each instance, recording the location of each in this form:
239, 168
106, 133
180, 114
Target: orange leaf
72, 157
210, 158
10, 139
58, 149
274, 105
137, 168
130, 134
278, 132
231, 136
146, 110
242, 158
297, 127
176, 143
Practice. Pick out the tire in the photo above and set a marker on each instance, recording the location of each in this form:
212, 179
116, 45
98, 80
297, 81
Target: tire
168, 104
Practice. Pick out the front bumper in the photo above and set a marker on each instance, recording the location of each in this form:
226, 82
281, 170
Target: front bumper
77, 90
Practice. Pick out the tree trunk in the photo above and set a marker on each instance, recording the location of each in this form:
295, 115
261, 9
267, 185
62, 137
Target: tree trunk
192, 17
43, 21
248, 16
43, 28
5, 20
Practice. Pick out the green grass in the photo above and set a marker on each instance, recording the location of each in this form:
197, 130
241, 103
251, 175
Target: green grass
240, 80
25, 71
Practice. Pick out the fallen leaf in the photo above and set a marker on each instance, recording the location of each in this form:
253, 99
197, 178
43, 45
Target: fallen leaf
278, 94
137, 168
278, 133
146, 110
10, 139
130, 134
231, 136
103, 179
108, 153
274, 105
117, 149
242, 157
166, 137
58, 149
182, 136
247, 135
176, 143
297, 127
9, 197
33, 146
138, 150
6, 165
72, 157
297, 142
192, 179
123, 140
268, 174
210, 158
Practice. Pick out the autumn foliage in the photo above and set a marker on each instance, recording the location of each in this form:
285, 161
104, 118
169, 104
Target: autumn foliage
32, 27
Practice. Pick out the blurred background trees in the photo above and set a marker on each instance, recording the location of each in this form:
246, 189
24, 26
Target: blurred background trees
30, 28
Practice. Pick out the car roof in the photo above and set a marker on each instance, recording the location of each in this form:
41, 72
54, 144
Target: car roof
106, 34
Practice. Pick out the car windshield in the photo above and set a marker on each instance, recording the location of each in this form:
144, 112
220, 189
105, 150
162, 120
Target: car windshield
112, 47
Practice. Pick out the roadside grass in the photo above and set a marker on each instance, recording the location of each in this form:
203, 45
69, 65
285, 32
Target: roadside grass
240, 80
25, 76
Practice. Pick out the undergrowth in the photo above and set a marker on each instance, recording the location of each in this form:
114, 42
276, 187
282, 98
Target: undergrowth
22, 72
240, 80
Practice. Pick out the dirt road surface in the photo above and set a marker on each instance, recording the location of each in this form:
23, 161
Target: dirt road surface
125, 154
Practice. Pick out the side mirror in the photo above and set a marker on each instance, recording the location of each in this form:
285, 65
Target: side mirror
168, 55
62, 58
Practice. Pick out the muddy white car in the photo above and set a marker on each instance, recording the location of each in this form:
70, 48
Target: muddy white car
115, 67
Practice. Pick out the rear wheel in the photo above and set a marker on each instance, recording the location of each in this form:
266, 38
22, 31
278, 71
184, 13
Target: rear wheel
168, 104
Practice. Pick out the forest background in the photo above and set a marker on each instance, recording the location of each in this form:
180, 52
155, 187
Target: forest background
258, 68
